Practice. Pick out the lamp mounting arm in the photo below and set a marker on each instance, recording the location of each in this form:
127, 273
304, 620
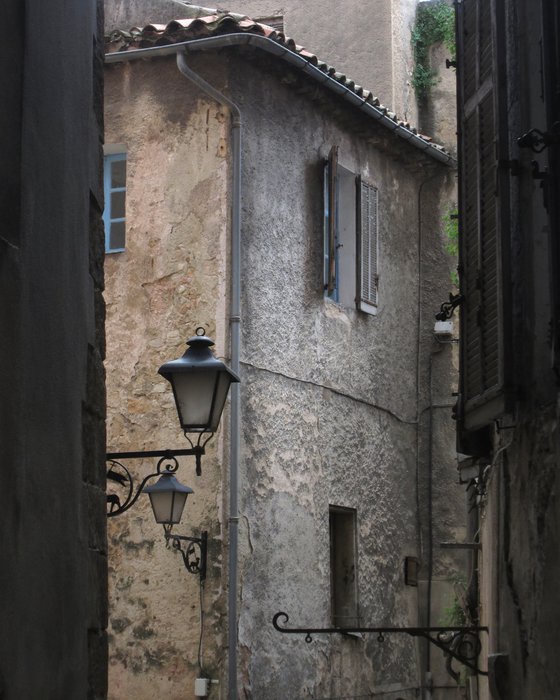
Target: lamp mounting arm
448, 307
194, 564
118, 473
458, 643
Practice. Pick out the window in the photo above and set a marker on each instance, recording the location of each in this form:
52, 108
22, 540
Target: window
114, 182
411, 568
344, 578
350, 237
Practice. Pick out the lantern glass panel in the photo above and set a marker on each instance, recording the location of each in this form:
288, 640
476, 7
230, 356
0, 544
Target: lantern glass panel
222, 388
194, 394
168, 506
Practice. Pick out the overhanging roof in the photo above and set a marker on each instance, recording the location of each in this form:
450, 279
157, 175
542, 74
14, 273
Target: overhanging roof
223, 29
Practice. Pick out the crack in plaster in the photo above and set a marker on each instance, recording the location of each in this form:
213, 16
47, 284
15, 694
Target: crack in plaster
338, 392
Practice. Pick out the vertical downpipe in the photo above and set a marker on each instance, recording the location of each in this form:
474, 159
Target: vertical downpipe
427, 675
235, 322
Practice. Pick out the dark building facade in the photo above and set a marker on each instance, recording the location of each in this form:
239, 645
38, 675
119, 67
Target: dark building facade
52, 400
509, 112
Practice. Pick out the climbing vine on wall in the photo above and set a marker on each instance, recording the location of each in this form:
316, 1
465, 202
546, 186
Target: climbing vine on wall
451, 231
434, 24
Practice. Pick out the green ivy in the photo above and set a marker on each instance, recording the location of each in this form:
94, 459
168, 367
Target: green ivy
435, 23
454, 612
451, 232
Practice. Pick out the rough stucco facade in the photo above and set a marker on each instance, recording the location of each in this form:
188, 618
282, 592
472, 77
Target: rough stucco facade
53, 562
335, 402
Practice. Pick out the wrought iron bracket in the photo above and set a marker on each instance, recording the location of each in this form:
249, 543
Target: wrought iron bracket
195, 563
117, 472
460, 644
537, 140
448, 307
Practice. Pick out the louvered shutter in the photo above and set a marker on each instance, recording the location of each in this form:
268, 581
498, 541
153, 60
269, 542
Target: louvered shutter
482, 337
551, 84
367, 246
330, 201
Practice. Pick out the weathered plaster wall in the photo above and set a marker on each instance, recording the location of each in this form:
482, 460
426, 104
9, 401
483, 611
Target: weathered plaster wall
439, 118
53, 566
171, 279
329, 395
369, 42
338, 424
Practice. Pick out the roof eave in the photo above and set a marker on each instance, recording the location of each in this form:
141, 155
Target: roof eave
270, 46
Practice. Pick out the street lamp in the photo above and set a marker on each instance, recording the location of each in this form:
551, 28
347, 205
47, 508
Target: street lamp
168, 497
200, 385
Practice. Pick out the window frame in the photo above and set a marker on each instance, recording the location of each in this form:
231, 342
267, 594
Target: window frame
113, 154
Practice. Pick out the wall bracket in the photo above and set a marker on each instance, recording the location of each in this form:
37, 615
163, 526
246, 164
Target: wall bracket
458, 643
118, 473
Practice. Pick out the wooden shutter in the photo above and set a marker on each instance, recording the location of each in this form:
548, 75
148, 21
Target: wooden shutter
330, 221
551, 84
367, 245
482, 336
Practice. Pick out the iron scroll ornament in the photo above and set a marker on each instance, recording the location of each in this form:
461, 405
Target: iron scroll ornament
460, 644
194, 561
119, 474
448, 307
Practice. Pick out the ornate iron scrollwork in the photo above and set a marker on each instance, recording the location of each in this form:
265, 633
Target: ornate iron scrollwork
195, 562
448, 307
537, 140
119, 474
460, 644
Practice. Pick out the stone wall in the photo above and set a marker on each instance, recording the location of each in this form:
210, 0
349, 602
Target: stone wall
171, 279
53, 586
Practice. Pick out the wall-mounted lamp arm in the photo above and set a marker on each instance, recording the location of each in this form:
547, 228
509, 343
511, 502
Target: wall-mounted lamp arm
456, 642
118, 473
193, 564
448, 307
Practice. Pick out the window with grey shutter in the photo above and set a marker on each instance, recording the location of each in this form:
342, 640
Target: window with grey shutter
481, 242
367, 246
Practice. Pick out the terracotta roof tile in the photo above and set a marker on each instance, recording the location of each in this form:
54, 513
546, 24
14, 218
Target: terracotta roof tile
180, 30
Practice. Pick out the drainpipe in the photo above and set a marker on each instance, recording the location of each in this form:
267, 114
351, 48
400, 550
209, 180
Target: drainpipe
422, 545
235, 329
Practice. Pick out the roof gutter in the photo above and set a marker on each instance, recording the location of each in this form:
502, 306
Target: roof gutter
246, 39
